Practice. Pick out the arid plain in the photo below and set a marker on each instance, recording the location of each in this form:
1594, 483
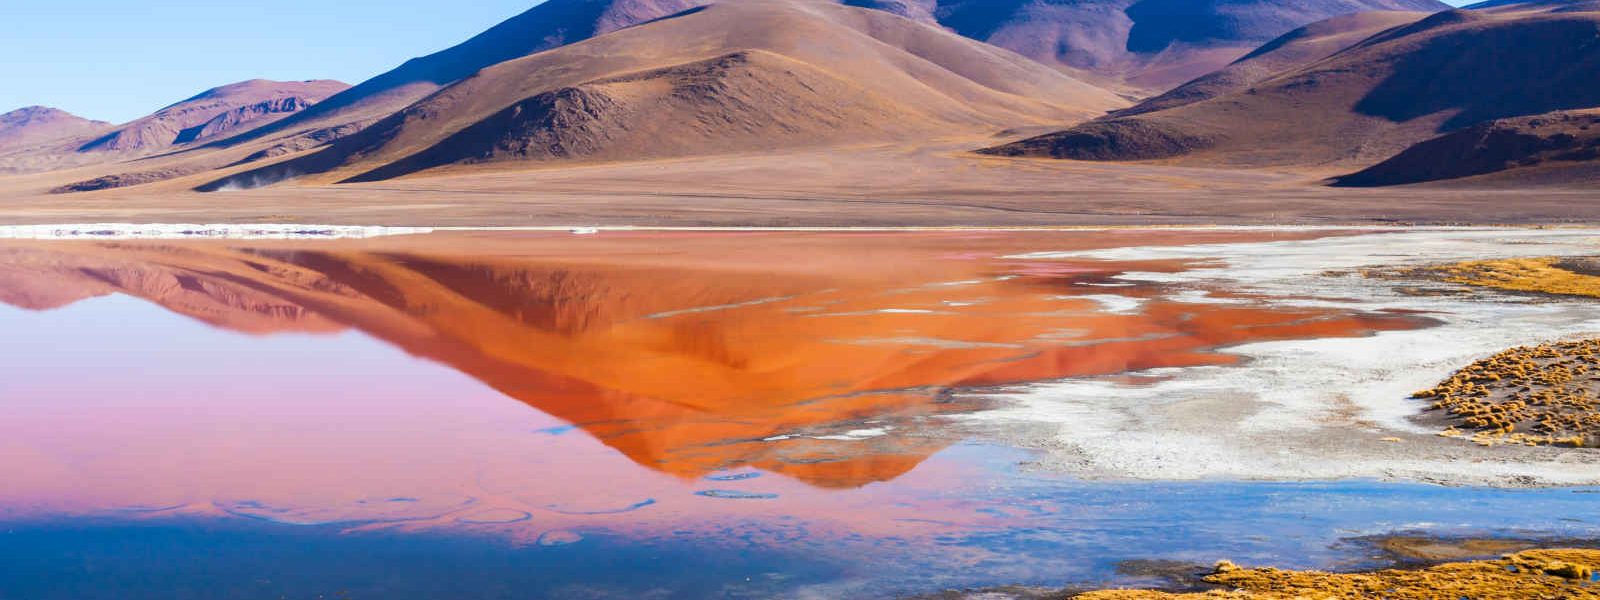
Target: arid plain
1365, 111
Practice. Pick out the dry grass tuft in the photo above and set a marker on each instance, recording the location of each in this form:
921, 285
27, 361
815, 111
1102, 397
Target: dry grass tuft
1530, 574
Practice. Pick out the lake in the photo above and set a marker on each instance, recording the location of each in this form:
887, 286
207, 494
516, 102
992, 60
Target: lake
694, 414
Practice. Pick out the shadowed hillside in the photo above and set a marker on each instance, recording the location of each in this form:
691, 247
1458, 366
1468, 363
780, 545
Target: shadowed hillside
1295, 49
1561, 147
547, 25
732, 77
1148, 46
1367, 102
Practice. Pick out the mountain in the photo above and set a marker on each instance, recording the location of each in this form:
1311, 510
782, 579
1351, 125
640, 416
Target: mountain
38, 124
1143, 45
1557, 147
215, 112
752, 75
1295, 49
1368, 102
1538, 4
1147, 45
547, 25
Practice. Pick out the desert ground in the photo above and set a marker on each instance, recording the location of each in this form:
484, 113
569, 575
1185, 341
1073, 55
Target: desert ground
938, 184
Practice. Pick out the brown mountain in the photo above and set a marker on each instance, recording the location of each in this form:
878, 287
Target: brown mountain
1538, 4
1295, 49
34, 125
751, 75
1559, 147
218, 111
1147, 45
548, 25
1368, 102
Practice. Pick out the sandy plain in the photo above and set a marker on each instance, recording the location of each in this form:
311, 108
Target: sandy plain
936, 184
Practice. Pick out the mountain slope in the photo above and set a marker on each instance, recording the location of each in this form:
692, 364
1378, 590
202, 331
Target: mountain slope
1293, 50
1537, 5
1367, 102
38, 124
547, 25
1552, 147
227, 109
1149, 45
735, 76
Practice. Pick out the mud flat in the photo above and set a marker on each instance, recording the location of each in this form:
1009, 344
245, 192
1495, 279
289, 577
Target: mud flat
1316, 409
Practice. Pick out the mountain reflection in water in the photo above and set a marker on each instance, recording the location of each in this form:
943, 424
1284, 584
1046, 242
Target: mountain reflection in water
819, 357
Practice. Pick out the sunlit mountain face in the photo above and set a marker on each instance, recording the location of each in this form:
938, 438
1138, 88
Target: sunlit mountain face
824, 358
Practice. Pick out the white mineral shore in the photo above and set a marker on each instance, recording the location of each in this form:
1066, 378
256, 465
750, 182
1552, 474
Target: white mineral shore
1312, 409
176, 231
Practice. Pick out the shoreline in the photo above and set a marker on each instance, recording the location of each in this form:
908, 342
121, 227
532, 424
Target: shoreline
230, 230
1321, 409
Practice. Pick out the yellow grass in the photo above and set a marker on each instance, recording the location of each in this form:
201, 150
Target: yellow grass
1524, 575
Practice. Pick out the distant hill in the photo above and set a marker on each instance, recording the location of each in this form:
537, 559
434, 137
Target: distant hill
33, 125
752, 75
1368, 102
215, 112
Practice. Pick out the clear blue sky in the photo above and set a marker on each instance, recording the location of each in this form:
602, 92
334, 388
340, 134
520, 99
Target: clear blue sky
116, 60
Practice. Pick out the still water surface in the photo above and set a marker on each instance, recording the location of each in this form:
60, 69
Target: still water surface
636, 415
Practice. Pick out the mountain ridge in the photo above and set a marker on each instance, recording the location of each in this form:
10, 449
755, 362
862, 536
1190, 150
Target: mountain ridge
31, 125
887, 78
1366, 102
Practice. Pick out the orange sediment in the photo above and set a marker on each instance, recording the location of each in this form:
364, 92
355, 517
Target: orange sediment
692, 354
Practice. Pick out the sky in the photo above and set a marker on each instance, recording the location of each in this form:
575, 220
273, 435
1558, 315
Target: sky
116, 60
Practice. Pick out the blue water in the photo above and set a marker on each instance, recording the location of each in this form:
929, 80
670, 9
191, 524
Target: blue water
211, 560
1072, 533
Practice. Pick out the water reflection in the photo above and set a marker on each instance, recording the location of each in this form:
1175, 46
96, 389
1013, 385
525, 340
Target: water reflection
818, 358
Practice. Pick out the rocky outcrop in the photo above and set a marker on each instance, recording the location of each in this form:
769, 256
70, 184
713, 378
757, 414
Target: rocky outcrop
238, 118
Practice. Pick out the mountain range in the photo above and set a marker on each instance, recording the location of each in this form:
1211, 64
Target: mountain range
1353, 93
1397, 87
